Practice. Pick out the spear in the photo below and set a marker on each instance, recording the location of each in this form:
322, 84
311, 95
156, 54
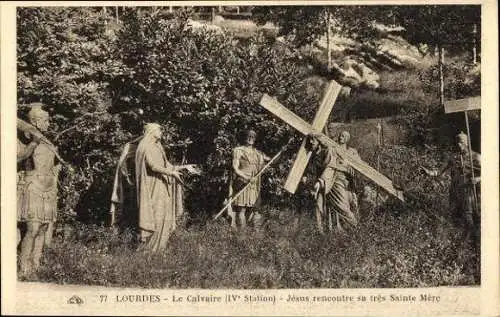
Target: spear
379, 145
228, 204
476, 203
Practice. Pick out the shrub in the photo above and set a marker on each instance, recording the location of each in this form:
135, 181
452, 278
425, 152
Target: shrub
66, 58
152, 68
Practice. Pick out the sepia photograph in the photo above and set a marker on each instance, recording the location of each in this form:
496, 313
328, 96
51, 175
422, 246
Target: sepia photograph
205, 147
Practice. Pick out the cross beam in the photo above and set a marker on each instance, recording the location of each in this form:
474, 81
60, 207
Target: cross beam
459, 105
303, 156
273, 106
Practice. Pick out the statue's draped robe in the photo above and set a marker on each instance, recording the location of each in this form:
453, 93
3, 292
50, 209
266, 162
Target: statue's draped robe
250, 161
461, 196
159, 197
335, 201
124, 196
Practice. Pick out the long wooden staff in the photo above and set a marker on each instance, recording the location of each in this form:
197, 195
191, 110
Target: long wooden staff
249, 182
330, 220
379, 146
476, 202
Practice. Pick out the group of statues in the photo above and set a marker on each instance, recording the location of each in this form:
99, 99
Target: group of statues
149, 189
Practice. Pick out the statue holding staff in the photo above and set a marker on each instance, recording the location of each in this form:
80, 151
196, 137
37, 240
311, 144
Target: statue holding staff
246, 164
464, 198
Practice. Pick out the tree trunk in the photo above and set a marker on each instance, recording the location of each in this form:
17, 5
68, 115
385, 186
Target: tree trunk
117, 17
328, 44
104, 13
474, 52
441, 75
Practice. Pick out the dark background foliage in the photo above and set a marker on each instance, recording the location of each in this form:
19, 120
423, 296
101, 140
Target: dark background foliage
101, 84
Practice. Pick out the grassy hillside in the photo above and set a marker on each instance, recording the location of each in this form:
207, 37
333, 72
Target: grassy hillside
394, 247
415, 244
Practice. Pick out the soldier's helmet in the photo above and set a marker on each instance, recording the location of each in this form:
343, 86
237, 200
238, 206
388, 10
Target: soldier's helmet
37, 112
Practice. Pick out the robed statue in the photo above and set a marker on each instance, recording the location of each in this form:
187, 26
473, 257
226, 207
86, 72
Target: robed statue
157, 188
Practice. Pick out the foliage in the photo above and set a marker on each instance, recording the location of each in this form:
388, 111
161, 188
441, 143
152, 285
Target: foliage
437, 25
66, 59
102, 81
195, 83
410, 97
207, 89
431, 24
307, 23
460, 81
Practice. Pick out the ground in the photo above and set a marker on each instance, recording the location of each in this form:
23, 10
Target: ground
398, 249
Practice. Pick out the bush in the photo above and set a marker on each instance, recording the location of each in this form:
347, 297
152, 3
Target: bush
66, 58
153, 68
460, 80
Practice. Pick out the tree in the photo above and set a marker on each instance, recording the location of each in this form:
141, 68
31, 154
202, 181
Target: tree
305, 24
453, 26
66, 59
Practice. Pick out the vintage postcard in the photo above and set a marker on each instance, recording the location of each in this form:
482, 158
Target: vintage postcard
328, 158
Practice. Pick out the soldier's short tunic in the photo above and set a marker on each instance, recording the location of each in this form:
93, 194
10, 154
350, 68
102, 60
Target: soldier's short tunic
37, 187
250, 161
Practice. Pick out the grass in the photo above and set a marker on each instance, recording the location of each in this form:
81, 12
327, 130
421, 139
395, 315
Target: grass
399, 92
386, 251
415, 244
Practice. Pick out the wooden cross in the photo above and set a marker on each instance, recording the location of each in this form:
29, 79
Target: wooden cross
459, 105
272, 105
303, 156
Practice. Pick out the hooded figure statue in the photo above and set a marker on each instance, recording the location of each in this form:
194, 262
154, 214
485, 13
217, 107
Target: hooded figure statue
156, 185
